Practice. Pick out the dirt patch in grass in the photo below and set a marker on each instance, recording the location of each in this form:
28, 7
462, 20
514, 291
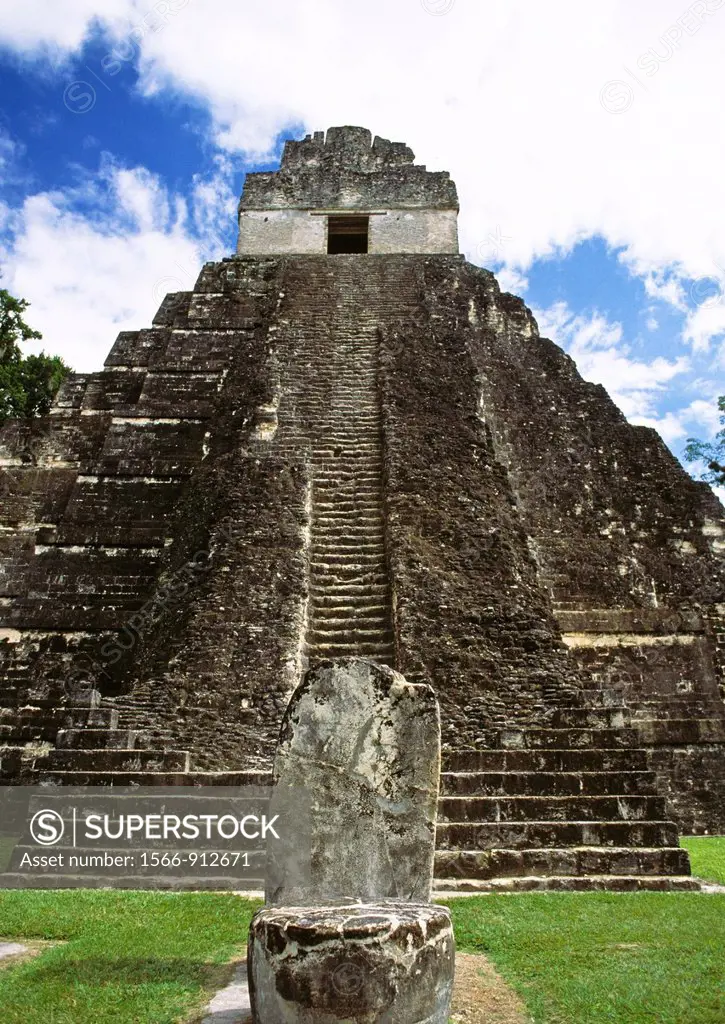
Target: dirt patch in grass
481, 996
32, 948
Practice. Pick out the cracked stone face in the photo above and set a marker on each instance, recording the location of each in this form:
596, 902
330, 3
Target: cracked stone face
390, 962
356, 788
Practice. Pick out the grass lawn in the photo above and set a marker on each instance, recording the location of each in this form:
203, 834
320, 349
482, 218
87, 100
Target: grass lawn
707, 856
130, 957
597, 958
600, 958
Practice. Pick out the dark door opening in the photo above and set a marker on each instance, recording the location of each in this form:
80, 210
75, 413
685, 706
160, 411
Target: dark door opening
347, 234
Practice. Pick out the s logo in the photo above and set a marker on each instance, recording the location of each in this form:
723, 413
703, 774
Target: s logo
47, 828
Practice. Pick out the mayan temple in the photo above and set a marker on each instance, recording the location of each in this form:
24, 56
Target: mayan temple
346, 441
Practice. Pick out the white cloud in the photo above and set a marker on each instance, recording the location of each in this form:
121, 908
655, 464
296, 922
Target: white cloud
669, 427
59, 25
514, 98
699, 418
512, 280
214, 204
603, 357
665, 286
652, 324
90, 275
559, 121
706, 323
703, 414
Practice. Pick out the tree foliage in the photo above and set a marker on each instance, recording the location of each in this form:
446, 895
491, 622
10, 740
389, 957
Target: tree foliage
27, 383
710, 452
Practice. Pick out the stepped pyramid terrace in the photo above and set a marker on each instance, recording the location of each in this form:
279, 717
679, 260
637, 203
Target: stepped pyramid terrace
347, 442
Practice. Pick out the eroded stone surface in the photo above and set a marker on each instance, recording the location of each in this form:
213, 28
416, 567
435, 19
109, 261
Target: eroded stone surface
390, 963
357, 773
413, 209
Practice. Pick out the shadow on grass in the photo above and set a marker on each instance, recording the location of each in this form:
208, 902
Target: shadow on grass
124, 970
77, 989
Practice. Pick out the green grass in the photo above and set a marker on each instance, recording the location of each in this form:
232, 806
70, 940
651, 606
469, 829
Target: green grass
600, 958
707, 856
130, 958
154, 958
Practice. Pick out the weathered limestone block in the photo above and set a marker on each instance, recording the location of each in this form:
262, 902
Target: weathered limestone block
389, 964
356, 788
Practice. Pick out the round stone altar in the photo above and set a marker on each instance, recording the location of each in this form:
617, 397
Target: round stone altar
388, 963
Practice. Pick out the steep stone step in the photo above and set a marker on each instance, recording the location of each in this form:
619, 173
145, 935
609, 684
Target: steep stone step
669, 731
359, 455
357, 525
18, 734
532, 834
349, 595
550, 783
590, 718
45, 718
569, 860
550, 760
348, 542
331, 515
349, 464
354, 506
343, 578
568, 883
599, 697
107, 759
360, 484
571, 739
334, 551
335, 560
550, 808
331, 411
326, 623
356, 649
96, 739
115, 777
363, 480
324, 638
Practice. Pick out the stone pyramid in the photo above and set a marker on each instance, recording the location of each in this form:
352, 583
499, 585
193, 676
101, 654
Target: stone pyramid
347, 441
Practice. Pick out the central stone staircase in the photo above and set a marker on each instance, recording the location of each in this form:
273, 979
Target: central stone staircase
349, 590
329, 328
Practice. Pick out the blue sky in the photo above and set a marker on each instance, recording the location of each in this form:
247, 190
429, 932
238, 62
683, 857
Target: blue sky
586, 147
